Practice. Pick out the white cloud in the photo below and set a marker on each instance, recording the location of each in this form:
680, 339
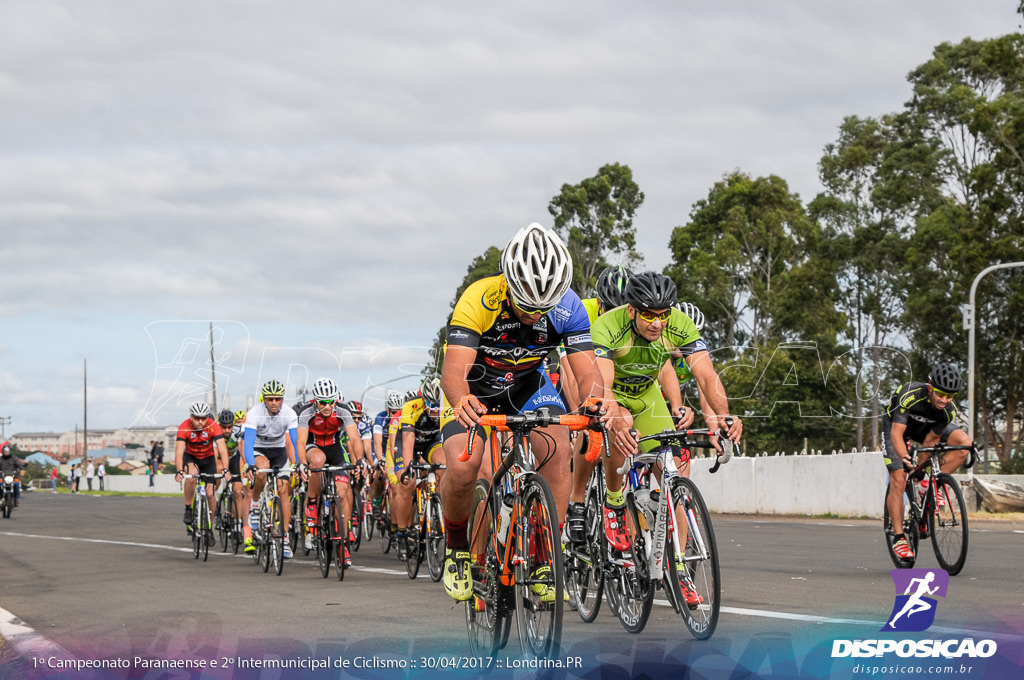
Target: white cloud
339, 165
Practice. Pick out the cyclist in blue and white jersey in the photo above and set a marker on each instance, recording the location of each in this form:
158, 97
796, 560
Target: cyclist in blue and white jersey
270, 440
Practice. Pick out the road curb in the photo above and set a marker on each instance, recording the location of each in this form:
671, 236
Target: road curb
27, 641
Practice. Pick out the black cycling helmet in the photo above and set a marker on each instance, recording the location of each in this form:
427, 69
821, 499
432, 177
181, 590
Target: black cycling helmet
226, 418
946, 377
650, 290
611, 286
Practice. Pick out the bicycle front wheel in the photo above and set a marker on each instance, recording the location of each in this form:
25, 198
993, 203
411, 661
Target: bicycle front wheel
435, 538
340, 531
540, 582
693, 572
910, 529
413, 548
264, 542
355, 520
277, 536
323, 540
487, 619
225, 520
584, 565
367, 514
205, 528
385, 526
948, 524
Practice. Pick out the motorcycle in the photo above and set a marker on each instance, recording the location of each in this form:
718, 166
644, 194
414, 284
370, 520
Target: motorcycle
7, 502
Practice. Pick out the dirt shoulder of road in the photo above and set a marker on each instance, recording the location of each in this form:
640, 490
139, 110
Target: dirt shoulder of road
1007, 521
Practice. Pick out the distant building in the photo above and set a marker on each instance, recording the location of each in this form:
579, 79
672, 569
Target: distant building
64, 445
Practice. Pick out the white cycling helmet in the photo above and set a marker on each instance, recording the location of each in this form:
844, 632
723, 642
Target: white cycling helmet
431, 391
690, 310
324, 389
200, 409
537, 267
395, 401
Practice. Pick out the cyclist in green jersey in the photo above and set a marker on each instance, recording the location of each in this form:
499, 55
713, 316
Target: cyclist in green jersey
611, 293
634, 344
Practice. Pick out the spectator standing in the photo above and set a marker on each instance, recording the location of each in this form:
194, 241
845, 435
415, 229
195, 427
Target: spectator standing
101, 473
90, 473
53, 479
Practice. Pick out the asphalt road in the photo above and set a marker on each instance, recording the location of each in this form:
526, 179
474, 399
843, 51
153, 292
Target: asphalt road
115, 576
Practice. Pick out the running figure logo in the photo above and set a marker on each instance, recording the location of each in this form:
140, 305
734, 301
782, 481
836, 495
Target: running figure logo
914, 610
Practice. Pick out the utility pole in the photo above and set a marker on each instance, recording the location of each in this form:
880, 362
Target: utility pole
213, 374
4, 420
970, 319
85, 410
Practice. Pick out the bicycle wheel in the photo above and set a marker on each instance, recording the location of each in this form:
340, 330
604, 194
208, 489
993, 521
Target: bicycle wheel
224, 520
910, 530
435, 541
368, 522
634, 588
584, 566
486, 619
694, 564
277, 536
323, 540
340, 545
540, 580
297, 525
355, 519
948, 524
206, 537
265, 544
385, 528
197, 536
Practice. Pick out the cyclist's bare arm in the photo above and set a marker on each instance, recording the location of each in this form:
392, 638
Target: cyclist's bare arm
179, 455
569, 386
222, 450
355, 444
457, 363
711, 387
589, 379
302, 436
619, 419
669, 382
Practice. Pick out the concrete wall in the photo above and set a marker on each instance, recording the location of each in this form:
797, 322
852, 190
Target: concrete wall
846, 485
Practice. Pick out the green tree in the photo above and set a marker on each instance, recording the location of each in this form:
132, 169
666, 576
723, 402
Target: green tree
764, 275
486, 264
969, 101
596, 219
868, 209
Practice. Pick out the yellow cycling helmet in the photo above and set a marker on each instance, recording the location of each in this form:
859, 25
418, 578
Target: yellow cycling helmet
272, 388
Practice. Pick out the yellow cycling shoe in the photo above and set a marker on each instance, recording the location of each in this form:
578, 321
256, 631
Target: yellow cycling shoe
457, 580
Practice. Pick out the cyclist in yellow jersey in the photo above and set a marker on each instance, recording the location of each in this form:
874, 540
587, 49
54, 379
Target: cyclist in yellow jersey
501, 330
417, 435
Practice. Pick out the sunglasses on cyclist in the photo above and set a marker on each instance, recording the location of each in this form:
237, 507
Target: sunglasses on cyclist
650, 317
325, 402
532, 310
942, 394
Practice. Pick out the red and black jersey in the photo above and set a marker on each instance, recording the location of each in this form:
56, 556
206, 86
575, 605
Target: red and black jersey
199, 443
325, 430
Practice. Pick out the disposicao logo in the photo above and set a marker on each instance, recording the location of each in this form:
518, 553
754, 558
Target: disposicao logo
914, 610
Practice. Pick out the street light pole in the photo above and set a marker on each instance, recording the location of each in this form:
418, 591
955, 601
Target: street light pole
970, 319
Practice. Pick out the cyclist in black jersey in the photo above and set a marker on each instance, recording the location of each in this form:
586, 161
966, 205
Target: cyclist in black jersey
922, 413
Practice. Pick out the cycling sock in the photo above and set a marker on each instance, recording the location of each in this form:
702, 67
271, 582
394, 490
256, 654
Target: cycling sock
897, 537
614, 499
456, 533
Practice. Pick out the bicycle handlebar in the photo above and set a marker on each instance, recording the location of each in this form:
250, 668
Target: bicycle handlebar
333, 468
683, 437
525, 421
203, 476
940, 448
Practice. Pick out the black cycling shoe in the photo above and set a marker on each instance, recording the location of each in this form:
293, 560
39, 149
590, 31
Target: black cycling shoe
189, 517
576, 523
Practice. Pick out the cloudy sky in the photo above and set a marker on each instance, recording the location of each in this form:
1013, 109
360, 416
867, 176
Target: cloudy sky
315, 177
